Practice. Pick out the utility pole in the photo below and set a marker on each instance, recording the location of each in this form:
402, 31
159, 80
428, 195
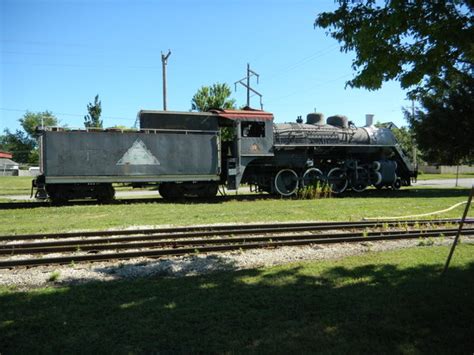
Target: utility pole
415, 162
164, 62
246, 84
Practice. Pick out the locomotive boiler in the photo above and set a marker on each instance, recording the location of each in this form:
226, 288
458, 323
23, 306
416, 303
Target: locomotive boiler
185, 154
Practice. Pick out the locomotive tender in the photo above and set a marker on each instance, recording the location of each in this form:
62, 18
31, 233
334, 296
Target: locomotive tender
183, 152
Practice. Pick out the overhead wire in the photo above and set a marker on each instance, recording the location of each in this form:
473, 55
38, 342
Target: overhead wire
303, 61
67, 114
309, 88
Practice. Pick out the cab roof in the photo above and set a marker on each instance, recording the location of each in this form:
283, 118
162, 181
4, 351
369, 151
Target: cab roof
247, 114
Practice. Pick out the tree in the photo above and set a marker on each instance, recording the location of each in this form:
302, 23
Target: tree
216, 96
22, 147
423, 44
427, 46
31, 120
93, 118
23, 144
406, 139
445, 126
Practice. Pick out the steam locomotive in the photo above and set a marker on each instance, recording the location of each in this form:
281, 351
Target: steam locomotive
186, 155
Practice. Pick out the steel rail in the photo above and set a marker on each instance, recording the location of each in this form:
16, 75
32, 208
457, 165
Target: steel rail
203, 249
162, 240
216, 229
20, 249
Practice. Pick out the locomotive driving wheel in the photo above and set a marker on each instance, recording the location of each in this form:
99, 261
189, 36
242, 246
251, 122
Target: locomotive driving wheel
312, 176
286, 182
337, 180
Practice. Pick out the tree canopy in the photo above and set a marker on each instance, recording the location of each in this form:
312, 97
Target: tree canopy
23, 144
22, 147
419, 43
427, 46
216, 96
31, 120
445, 126
95, 110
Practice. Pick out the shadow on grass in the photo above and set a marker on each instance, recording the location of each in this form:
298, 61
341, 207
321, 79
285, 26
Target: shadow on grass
365, 309
371, 193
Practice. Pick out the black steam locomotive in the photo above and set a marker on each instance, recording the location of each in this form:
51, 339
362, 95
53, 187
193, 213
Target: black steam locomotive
185, 154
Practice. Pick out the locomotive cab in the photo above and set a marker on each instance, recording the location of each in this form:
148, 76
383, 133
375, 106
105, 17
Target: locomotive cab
250, 138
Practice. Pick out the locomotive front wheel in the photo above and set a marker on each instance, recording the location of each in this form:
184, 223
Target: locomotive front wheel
337, 180
286, 182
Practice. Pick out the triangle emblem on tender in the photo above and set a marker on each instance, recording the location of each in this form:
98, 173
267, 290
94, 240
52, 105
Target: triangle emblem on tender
138, 154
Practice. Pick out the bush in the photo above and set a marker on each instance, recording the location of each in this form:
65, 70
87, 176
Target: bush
318, 189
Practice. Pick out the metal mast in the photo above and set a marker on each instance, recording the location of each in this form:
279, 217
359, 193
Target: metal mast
246, 83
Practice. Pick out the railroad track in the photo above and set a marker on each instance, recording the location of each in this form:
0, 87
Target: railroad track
126, 244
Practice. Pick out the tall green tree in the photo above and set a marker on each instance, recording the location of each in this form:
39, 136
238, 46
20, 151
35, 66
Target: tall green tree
23, 144
216, 96
93, 118
31, 120
23, 148
422, 44
406, 139
427, 46
444, 126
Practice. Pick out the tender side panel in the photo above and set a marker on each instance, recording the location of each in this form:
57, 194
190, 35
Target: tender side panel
130, 155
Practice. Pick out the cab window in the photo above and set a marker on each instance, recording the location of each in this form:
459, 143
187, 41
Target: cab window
253, 129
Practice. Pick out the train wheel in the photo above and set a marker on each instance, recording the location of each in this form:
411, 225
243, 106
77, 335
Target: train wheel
57, 194
337, 180
360, 180
286, 182
209, 190
105, 193
312, 176
170, 191
397, 184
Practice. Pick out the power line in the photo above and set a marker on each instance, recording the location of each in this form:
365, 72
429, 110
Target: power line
84, 65
310, 88
318, 54
66, 114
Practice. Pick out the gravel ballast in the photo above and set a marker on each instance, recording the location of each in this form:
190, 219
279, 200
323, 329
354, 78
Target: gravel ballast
64, 275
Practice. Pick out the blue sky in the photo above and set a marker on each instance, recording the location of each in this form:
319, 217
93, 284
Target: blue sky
57, 55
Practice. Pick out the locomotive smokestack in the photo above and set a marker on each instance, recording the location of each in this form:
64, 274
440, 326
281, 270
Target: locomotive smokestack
369, 120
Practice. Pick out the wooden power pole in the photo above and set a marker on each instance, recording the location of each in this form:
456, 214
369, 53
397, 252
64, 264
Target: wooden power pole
164, 62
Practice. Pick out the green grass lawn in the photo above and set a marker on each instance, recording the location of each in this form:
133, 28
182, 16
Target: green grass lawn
15, 185
445, 176
392, 302
234, 209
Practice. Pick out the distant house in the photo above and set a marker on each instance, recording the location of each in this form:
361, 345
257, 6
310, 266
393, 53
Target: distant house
6, 155
7, 165
389, 125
